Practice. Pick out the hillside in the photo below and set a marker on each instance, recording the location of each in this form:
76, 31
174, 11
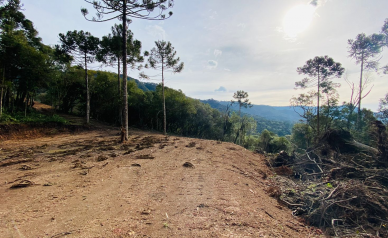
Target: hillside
145, 86
87, 184
275, 119
273, 113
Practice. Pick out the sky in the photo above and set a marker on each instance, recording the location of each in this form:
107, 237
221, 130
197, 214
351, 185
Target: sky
250, 45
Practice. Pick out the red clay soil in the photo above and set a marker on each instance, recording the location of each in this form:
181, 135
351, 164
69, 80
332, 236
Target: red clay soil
87, 184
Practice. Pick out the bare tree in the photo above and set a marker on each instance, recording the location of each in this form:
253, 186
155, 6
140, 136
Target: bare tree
365, 50
354, 100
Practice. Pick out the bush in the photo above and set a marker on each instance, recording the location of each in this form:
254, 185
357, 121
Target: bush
32, 117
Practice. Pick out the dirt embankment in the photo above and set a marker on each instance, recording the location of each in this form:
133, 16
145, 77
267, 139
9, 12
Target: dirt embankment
31, 131
87, 184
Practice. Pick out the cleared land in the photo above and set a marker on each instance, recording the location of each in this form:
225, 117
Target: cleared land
87, 184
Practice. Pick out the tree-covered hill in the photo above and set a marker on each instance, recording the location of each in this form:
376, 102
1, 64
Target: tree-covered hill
267, 117
285, 114
145, 86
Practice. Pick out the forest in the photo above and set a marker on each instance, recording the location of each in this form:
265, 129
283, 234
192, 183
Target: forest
59, 76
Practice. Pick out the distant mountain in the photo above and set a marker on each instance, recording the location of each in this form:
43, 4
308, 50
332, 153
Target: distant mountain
276, 119
145, 86
272, 113
215, 104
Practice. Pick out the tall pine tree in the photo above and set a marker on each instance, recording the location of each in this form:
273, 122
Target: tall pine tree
83, 47
124, 10
162, 58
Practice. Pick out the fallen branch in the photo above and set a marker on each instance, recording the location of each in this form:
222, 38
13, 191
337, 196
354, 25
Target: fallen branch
319, 167
363, 147
332, 192
289, 204
63, 234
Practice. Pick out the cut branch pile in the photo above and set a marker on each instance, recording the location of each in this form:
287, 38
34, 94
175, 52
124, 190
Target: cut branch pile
341, 186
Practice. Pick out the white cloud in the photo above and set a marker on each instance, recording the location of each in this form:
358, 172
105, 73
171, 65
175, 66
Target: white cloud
221, 89
157, 32
212, 64
217, 53
242, 25
227, 70
212, 14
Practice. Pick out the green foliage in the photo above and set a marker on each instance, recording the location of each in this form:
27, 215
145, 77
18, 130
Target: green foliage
104, 98
271, 143
7, 118
278, 124
280, 144
162, 57
362, 133
25, 61
111, 47
266, 138
66, 89
32, 117
302, 135
312, 187
242, 100
319, 71
383, 108
80, 44
364, 49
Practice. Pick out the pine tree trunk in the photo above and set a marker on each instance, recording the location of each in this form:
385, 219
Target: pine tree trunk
164, 104
2, 92
119, 92
118, 76
237, 135
25, 105
125, 93
360, 94
318, 106
87, 91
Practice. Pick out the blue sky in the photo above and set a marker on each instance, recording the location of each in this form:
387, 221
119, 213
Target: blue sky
238, 45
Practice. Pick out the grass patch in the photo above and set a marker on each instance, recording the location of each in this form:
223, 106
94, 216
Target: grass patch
32, 117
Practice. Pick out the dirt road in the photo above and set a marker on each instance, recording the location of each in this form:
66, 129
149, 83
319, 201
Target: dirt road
89, 185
